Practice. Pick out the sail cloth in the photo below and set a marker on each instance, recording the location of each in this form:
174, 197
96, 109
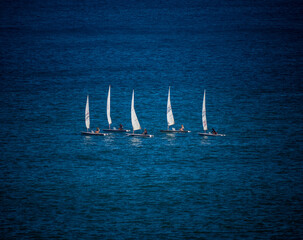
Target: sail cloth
108, 108
135, 121
204, 122
87, 121
170, 116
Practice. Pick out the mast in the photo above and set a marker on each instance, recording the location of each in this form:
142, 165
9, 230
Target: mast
87, 121
135, 121
170, 116
108, 108
204, 121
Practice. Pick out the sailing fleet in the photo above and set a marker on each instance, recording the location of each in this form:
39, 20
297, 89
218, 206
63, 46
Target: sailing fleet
135, 122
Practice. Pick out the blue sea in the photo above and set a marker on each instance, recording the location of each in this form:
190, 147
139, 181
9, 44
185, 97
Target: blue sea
57, 183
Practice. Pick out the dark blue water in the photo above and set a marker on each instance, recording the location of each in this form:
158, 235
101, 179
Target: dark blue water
56, 183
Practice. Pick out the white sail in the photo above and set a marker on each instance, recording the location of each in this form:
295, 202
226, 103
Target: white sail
87, 121
108, 108
204, 122
170, 116
135, 121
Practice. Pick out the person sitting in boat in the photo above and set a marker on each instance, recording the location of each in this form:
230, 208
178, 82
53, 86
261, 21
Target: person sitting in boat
121, 127
98, 130
214, 131
145, 131
182, 128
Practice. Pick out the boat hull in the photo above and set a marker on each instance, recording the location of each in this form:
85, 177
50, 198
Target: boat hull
92, 133
174, 131
210, 134
140, 135
116, 130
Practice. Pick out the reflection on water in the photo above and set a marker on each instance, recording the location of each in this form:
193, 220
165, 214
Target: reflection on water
171, 138
204, 140
136, 141
109, 139
110, 142
88, 140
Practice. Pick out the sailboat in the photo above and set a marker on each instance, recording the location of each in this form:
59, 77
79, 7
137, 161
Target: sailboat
204, 121
109, 118
87, 121
135, 121
170, 118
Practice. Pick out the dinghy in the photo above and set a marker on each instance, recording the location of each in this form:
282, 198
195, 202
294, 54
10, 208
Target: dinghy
93, 133
87, 121
135, 121
116, 130
109, 118
170, 118
204, 121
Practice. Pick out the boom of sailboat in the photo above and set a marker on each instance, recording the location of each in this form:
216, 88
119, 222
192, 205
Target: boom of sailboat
135, 122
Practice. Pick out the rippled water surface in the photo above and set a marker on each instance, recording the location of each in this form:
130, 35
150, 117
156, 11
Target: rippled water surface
57, 183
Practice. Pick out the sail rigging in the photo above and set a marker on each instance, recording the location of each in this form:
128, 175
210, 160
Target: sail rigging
108, 108
204, 121
135, 121
87, 121
170, 116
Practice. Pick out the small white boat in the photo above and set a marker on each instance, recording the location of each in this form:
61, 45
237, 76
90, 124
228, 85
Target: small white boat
204, 121
109, 118
116, 130
170, 118
140, 135
93, 133
135, 121
87, 121
174, 131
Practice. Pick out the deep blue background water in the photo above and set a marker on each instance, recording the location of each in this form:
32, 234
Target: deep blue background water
56, 183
